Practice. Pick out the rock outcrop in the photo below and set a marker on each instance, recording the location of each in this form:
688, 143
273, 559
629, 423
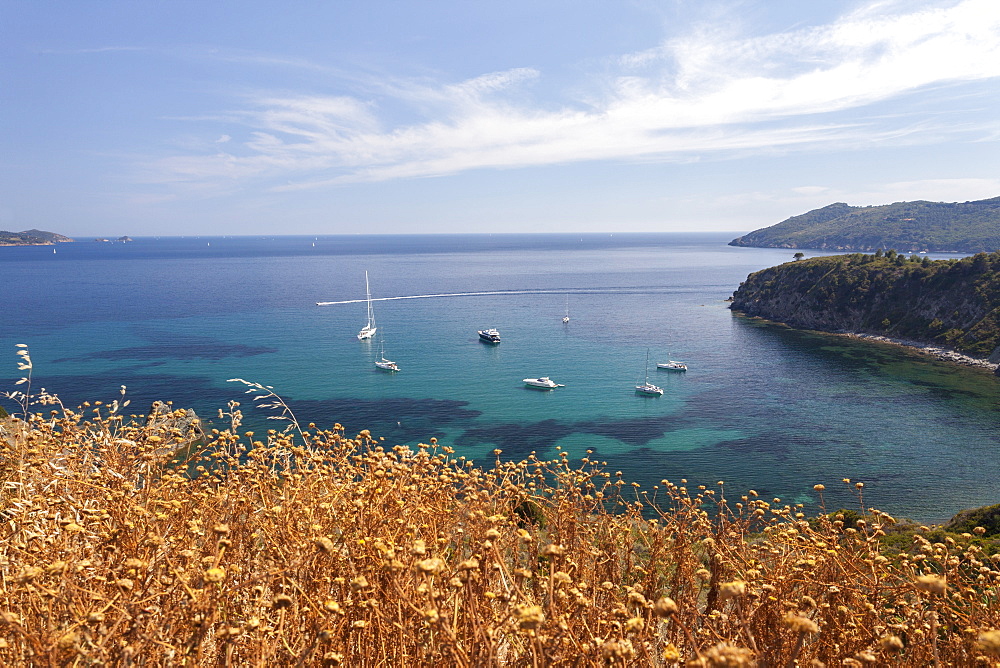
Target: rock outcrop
951, 304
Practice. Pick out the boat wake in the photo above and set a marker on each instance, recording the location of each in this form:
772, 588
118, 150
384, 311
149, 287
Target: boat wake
643, 290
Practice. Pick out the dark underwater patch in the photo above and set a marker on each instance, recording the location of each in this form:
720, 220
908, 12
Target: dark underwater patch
170, 345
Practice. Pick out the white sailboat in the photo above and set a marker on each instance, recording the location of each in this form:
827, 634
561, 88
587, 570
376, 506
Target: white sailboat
647, 388
566, 317
382, 362
368, 331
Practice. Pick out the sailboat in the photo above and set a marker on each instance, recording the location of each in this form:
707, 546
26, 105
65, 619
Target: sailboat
647, 388
382, 362
566, 317
368, 331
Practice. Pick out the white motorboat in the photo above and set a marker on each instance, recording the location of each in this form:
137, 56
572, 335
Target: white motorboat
490, 335
368, 331
647, 388
544, 383
566, 317
672, 365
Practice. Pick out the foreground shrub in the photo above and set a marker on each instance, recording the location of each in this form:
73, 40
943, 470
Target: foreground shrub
332, 550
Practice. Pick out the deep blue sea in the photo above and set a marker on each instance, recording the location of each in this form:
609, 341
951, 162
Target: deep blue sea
762, 407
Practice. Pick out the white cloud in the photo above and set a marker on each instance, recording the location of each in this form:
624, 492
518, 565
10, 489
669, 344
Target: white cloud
707, 92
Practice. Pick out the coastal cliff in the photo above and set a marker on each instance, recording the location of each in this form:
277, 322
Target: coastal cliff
967, 227
950, 303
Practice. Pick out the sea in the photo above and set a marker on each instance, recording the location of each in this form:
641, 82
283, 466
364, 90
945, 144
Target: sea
762, 407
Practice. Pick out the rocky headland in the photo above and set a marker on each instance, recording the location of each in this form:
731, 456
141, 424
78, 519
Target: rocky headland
946, 308
31, 238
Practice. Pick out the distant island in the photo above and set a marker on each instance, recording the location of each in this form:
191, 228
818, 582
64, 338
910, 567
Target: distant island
966, 227
31, 238
949, 303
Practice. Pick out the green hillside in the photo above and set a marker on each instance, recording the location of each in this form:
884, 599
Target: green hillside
954, 303
968, 227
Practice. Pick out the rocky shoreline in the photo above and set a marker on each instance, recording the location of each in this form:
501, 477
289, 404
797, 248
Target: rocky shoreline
943, 354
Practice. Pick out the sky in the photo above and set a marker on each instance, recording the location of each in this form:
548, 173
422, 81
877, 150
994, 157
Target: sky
436, 116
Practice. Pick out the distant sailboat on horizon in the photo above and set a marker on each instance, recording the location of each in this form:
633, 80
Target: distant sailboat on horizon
368, 331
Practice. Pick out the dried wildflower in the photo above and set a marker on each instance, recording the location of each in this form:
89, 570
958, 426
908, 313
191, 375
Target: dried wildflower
529, 616
891, 643
221, 529
989, 642
552, 550
217, 574
664, 607
469, 565
932, 584
419, 548
359, 583
671, 654
725, 655
324, 544
617, 649
729, 590
432, 566
800, 624
125, 584
635, 625
281, 601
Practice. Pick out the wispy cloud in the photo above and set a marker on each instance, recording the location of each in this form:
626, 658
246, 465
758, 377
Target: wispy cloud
707, 92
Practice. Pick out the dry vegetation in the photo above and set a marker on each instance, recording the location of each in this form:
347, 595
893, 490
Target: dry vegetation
325, 549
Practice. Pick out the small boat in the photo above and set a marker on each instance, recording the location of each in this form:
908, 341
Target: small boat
672, 365
386, 365
544, 383
566, 317
647, 388
368, 331
490, 335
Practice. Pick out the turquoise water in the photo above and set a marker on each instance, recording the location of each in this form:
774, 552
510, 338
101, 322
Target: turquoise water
761, 407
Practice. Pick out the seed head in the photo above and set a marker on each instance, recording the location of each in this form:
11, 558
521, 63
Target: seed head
932, 584
800, 624
664, 607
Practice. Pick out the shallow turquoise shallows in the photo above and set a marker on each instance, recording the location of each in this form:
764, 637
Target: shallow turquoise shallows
761, 407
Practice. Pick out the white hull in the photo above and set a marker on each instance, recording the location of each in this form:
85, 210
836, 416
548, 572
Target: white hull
366, 333
387, 365
672, 366
649, 390
543, 383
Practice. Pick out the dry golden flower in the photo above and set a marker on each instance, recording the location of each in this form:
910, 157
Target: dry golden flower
729, 590
324, 544
552, 550
725, 655
891, 643
281, 601
359, 583
800, 624
469, 564
217, 574
671, 654
932, 584
989, 642
664, 607
529, 616
432, 566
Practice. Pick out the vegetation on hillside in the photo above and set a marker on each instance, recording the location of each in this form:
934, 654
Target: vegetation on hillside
968, 227
30, 238
955, 303
309, 547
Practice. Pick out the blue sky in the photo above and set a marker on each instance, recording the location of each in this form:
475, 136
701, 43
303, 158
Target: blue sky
307, 117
